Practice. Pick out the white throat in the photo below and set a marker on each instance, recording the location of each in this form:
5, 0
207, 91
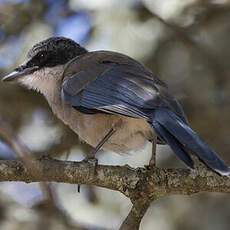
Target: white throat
45, 81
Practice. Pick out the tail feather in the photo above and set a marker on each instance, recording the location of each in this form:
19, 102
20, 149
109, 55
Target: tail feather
175, 145
179, 136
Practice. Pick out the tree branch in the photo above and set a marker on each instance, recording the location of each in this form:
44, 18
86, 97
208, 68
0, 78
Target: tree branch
135, 216
156, 181
141, 185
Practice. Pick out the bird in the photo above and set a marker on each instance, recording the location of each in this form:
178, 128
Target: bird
111, 101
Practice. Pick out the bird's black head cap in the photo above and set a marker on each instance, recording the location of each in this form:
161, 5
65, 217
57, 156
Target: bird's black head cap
51, 52
54, 51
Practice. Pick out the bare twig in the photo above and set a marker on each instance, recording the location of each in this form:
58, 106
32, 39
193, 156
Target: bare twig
26, 156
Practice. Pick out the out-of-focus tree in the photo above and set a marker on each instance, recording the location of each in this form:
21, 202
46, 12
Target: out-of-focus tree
185, 43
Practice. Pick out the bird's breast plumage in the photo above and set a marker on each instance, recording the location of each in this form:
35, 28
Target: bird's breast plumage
131, 134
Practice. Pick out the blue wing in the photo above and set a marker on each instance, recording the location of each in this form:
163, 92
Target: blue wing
118, 88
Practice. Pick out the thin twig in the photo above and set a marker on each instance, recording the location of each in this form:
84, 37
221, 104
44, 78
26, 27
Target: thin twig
26, 156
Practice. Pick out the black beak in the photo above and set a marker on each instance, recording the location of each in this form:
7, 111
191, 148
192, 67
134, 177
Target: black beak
19, 72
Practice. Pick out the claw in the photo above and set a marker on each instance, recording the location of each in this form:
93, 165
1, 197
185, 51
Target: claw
78, 188
93, 161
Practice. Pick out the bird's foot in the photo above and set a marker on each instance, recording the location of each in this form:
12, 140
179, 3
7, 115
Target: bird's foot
152, 163
45, 157
93, 162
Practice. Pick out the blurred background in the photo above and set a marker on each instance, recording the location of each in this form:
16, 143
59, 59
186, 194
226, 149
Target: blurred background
185, 43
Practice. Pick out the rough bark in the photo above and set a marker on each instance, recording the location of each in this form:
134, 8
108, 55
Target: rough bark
141, 185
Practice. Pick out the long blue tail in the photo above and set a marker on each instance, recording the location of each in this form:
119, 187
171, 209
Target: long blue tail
180, 137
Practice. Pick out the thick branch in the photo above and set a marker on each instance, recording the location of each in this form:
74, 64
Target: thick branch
135, 216
112, 177
142, 186
121, 178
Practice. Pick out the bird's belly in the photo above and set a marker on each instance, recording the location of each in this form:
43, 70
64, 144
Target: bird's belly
131, 133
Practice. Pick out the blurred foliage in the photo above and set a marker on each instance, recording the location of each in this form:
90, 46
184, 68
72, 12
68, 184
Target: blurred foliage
186, 43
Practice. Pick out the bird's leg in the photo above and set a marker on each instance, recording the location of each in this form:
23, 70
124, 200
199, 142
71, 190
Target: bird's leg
91, 157
102, 142
152, 161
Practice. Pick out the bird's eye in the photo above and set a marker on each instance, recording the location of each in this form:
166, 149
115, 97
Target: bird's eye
41, 55
39, 60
